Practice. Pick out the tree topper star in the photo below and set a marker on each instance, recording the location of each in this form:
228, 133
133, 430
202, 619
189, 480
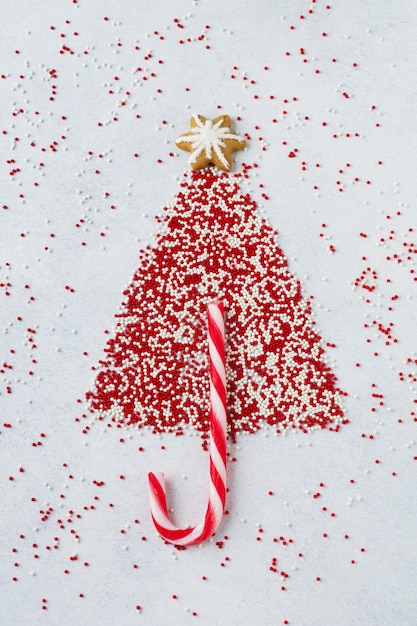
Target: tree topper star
210, 142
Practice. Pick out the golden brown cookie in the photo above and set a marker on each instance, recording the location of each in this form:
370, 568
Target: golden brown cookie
210, 142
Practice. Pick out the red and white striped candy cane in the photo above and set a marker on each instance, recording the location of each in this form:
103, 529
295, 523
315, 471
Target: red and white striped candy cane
218, 423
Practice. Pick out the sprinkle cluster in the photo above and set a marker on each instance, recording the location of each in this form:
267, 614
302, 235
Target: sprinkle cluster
215, 246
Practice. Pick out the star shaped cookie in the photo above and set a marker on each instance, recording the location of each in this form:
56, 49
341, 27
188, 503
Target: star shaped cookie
210, 142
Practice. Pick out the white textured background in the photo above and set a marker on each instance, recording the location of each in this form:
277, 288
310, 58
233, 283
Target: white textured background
378, 510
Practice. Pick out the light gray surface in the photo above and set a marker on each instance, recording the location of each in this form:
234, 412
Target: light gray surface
378, 510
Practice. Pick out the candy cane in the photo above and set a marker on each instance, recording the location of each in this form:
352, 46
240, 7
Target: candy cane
217, 491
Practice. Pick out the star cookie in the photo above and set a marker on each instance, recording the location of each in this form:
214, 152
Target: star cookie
210, 142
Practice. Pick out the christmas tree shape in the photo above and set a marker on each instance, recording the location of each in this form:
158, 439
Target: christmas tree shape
214, 245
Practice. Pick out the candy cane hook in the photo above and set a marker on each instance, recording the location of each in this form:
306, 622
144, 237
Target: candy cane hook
218, 422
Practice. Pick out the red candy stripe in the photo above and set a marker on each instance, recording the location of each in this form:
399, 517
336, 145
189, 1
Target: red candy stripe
218, 425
